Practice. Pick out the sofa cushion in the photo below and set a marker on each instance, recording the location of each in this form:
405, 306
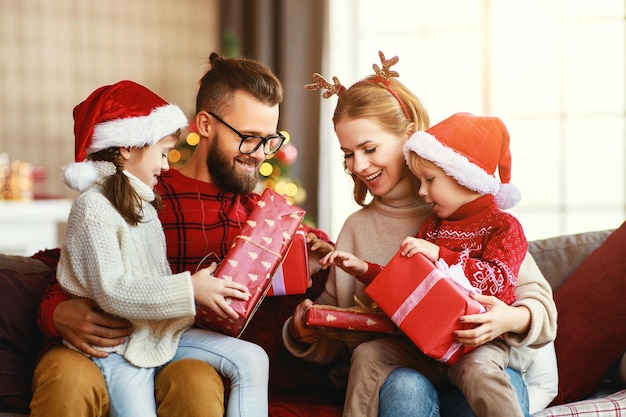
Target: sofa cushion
611, 405
591, 335
20, 338
557, 257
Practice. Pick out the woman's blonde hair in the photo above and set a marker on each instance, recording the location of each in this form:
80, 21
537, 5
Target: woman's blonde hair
367, 99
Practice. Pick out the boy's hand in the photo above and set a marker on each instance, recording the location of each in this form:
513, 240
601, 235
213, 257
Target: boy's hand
411, 245
346, 261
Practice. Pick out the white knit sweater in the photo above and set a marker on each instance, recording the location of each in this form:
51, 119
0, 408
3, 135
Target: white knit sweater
124, 269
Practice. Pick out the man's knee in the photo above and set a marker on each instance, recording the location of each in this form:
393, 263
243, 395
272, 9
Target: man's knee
69, 383
191, 388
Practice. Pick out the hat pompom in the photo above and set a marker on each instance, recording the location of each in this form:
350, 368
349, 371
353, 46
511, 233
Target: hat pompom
80, 175
507, 196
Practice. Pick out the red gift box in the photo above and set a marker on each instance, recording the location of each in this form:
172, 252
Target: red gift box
292, 276
425, 304
253, 258
354, 318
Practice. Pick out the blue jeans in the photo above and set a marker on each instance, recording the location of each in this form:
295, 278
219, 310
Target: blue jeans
245, 364
426, 401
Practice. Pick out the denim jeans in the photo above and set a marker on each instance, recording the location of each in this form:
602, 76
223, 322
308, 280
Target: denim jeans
246, 365
426, 401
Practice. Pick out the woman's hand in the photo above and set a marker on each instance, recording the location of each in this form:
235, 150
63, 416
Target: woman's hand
80, 322
499, 318
213, 292
298, 329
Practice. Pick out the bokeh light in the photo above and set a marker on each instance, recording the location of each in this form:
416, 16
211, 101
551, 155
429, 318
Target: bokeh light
193, 139
174, 156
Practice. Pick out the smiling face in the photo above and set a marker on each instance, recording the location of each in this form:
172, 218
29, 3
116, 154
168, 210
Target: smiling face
228, 167
148, 162
372, 154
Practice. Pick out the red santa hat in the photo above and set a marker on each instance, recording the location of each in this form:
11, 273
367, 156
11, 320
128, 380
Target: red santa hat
470, 149
124, 114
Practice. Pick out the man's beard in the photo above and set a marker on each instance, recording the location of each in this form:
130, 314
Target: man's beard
224, 172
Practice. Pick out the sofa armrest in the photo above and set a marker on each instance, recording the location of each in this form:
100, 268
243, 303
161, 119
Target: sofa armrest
22, 264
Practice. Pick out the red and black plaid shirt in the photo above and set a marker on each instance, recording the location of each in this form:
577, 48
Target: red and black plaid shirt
199, 219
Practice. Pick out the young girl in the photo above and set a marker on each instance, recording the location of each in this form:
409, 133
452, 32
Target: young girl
114, 253
373, 119
456, 162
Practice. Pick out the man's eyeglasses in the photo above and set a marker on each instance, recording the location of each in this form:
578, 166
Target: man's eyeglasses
250, 143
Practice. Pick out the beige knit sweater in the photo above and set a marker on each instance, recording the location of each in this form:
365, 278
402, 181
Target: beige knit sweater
125, 270
374, 233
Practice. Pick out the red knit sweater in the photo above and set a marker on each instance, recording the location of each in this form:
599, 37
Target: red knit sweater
489, 244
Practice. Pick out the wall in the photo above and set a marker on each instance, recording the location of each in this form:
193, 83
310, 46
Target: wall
54, 53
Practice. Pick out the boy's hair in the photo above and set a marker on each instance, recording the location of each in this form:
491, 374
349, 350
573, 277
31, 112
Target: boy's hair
228, 75
417, 163
368, 100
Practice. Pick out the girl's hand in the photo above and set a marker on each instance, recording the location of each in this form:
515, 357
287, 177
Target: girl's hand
411, 245
213, 292
346, 261
497, 320
298, 329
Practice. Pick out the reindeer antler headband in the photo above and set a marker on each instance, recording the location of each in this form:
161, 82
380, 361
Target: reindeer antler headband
382, 77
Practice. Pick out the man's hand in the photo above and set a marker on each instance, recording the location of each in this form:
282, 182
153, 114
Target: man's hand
317, 250
80, 322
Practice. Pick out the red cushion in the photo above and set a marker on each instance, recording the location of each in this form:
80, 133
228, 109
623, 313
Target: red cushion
591, 335
295, 407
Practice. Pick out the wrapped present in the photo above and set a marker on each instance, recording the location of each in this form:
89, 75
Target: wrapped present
353, 318
425, 304
292, 275
253, 258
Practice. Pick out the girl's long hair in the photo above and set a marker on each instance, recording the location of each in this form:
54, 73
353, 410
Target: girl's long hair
118, 190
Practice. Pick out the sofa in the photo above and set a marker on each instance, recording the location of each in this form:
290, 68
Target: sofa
586, 272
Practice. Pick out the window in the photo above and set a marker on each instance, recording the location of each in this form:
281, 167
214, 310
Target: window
554, 72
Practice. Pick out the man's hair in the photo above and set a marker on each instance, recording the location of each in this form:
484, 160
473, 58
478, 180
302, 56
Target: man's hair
228, 75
